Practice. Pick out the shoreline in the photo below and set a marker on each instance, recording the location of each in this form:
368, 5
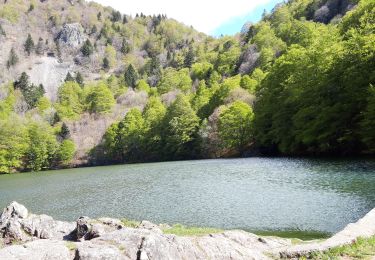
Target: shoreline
296, 157
40, 236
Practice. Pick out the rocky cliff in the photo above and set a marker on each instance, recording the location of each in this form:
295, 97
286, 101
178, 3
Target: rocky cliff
28, 236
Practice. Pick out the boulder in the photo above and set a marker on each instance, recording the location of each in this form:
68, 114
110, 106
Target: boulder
36, 250
71, 35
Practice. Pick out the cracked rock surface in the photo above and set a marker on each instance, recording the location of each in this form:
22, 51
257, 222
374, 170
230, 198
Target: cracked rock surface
29, 236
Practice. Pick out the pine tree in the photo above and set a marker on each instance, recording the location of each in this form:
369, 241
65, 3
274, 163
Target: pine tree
131, 76
22, 83
69, 77
13, 59
125, 48
105, 63
94, 29
116, 16
2, 32
64, 132
79, 79
39, 47
125, 19
29, 44
87, 48
189, 58
58, 50
31, 7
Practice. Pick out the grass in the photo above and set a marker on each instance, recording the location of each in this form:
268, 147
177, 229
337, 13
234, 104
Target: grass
294, 234
181, 230
130, 223
71, 246
363, 248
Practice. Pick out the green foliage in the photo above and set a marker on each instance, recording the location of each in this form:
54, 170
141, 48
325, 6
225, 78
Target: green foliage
30, 92
368, 121
70, 100
175, 79
13, 144
153, 115
42, 147
99, 98
10, 13
143, 86
43, 104
180, 129
235, 126
123, 141
201, 71
66, 151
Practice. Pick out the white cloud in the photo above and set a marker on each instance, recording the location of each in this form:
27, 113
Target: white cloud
203, 15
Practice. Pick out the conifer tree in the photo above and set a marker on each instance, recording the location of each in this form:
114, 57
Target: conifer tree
2, 32
64, 132
79, 79
131, 76
13, 59
87, 48
69, 77
105, 63
189, 58
29, 45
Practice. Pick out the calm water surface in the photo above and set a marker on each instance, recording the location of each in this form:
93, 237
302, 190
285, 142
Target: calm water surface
255, 194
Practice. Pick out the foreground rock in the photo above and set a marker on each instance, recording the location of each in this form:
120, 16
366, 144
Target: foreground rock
41, 237
365, 227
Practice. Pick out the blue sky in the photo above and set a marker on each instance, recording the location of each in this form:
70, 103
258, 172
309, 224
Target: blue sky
234, 25
213, 17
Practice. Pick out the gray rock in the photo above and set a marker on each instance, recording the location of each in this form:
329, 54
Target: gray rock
71, 35
105, 238
37, 250
89, 251
149, 225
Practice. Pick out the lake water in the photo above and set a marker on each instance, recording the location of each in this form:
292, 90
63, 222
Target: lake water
255, 194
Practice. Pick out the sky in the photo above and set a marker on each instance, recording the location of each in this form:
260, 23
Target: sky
214, 17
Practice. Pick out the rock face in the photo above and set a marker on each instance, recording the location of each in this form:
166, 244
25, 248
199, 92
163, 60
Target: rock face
41, 237
71, 35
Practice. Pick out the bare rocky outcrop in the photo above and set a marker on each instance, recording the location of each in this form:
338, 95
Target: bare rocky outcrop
42, 237
71, 35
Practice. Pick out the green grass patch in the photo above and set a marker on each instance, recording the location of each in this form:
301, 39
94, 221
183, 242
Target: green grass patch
294, 234
181, 230
130, 223
71, 246
363, 248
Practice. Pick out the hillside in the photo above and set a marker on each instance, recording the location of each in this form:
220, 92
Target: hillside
82, 83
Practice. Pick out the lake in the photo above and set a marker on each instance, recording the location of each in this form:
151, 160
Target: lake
275, 195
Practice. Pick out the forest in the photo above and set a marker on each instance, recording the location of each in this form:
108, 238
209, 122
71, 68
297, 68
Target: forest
300, 82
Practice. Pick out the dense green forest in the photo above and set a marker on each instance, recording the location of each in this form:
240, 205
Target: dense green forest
299, 82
